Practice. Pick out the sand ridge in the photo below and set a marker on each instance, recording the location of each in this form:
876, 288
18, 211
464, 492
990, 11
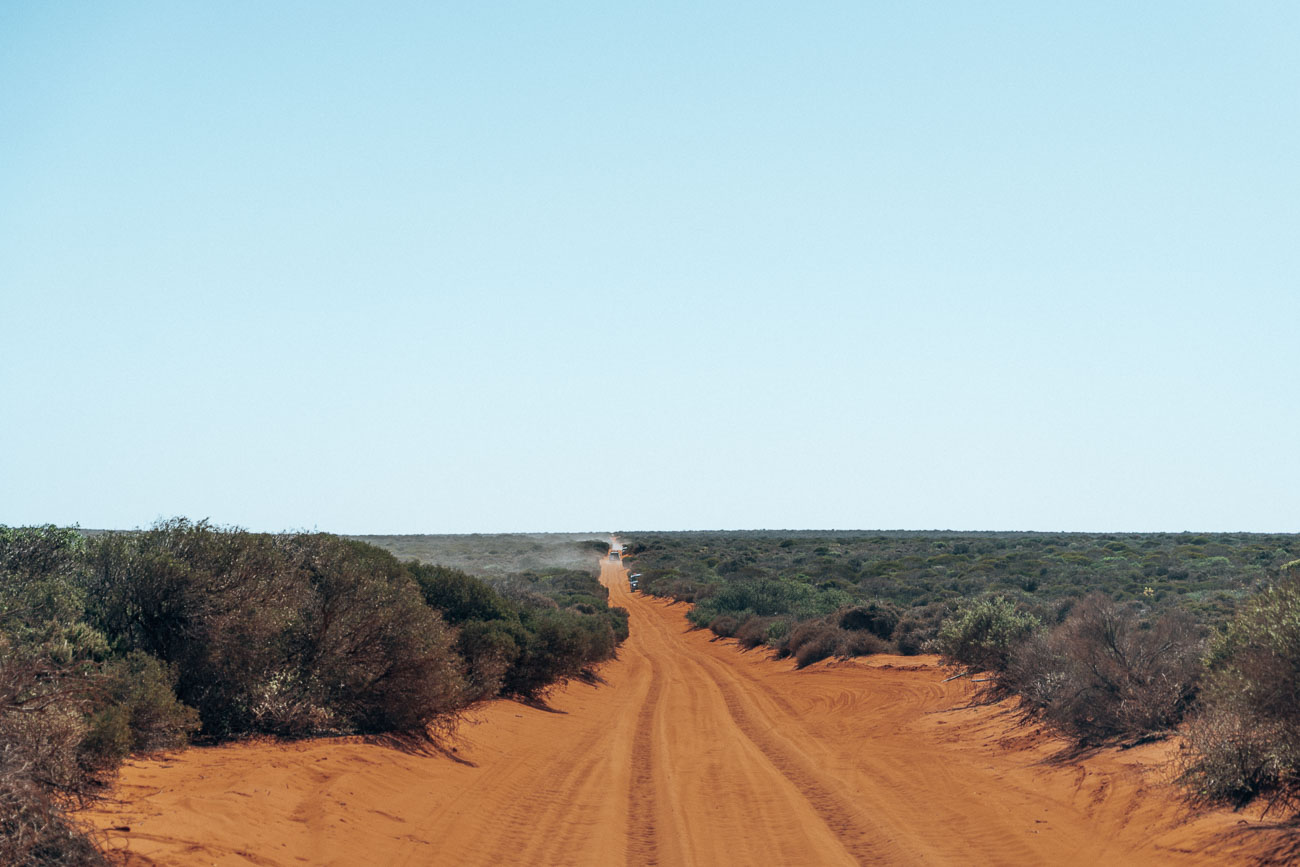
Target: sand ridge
691, 752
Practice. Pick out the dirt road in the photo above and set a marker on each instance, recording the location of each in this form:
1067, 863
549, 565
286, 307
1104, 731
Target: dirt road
691, 753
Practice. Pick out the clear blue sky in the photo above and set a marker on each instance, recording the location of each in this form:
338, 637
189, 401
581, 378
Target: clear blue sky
427, 267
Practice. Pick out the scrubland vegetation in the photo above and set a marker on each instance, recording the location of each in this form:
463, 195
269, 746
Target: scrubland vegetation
1107, 639
122, 643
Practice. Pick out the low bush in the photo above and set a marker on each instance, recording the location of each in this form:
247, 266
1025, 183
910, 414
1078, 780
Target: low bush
862, 643
141, 713
35, 828
878, 618
284, 635
459, 596
365, 645
1205, 574
555, 646
521, 635
909, 636
1105, 673
724, 626
753, 631
813, 641
617, 617
50, 680
490, 650
42, 726
1235, 757
983, 636
1245, 741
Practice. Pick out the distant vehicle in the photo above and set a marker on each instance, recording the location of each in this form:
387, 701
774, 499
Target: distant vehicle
613, 555
635, 575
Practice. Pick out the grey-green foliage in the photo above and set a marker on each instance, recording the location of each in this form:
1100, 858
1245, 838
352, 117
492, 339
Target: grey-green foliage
1204, 574
49, 682
288, 634
525, 633
768, 597
984, 634
42, 591
1246, 740
141, 714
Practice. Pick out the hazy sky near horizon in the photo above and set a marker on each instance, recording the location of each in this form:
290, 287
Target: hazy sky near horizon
427, 267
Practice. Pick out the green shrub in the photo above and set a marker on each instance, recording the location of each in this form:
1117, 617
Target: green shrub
862, 643
983, 635
108, 738
923, 569
36, 552
562, 585
279, 634
42, 594
556, 645
490, 649
1246, 740
617, 617
778, 628
365, 643
459, 596
49, 673
126, 642
765, 597
141, 713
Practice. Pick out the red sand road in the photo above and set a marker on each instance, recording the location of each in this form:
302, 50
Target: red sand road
690, 753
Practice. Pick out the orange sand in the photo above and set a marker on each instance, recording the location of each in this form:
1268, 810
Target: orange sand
691, 753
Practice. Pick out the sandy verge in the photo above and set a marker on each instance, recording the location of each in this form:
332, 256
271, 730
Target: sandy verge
690, 753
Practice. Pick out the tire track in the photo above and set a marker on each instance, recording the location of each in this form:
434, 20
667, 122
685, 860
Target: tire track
863, 840
540, 827
842, 820
642, 802
643, 807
